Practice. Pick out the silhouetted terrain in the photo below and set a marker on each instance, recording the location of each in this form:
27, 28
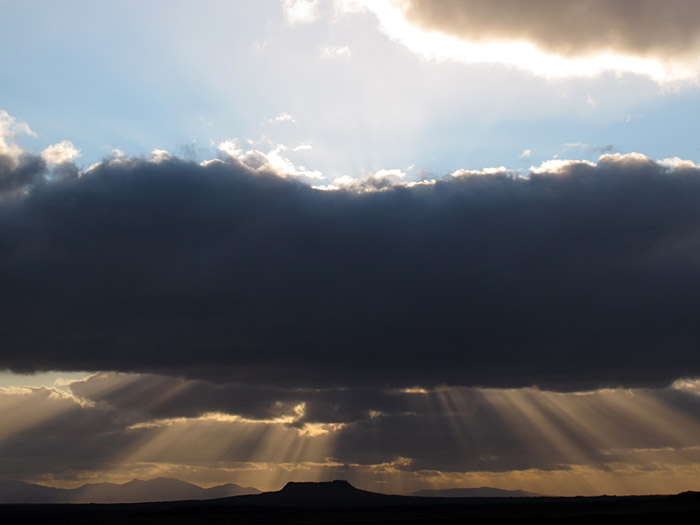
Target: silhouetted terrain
480, 492
340, 502
135, 491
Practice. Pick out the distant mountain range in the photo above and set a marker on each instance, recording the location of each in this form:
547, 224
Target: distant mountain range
136, 491
293, 494
342, 494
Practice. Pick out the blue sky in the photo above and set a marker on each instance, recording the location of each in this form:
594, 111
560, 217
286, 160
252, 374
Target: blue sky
183, 77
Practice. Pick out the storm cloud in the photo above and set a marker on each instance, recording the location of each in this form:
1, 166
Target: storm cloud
571, 27
577, 276
17, 173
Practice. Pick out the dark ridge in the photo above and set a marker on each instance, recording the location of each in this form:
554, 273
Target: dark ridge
476, 492
269, 508
688, 495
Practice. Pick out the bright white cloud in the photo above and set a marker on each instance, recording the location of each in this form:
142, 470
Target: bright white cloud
381, 180
159, 155
501, 170
555, 166
394, 174
60, 153
300, 11
274, 161
678, 163
10, 129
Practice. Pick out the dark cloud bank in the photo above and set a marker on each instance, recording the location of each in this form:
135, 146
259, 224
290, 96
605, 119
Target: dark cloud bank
18, 173
568, 280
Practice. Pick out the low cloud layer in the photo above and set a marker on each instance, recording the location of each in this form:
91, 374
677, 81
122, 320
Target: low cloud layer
646, 28
577, 276
120, 426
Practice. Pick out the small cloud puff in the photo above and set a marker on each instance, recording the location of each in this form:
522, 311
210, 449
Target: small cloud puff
159, 155
60, 153
282, 117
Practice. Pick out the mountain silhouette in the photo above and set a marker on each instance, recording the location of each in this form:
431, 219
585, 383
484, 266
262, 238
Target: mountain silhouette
135, 491
338, 493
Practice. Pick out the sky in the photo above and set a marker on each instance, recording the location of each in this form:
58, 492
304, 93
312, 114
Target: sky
412, 244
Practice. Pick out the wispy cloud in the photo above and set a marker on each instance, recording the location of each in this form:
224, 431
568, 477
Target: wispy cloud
282, 117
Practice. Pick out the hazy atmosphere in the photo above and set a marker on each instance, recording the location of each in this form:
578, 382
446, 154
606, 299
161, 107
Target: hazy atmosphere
412, 244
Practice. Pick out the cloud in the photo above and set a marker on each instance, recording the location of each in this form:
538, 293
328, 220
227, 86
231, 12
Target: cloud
61, 153
300, 11
157, 155
116, 425
577, 275
381, 180
329, 52
500, 171
18, 172
274, 161
569, 27
10, 129
608, 148
282, 117
566, 38
526, 154
18, 169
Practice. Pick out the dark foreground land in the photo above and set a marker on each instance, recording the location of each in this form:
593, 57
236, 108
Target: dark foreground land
338, 502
